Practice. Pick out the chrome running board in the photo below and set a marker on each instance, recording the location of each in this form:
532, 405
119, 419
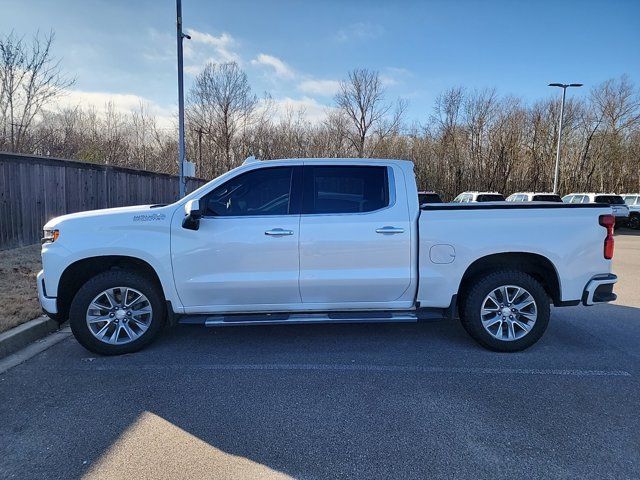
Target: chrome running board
302, 318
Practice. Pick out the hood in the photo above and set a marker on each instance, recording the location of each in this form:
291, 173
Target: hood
137, 213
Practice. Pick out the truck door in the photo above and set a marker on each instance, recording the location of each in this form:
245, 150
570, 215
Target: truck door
244, 256
355, 235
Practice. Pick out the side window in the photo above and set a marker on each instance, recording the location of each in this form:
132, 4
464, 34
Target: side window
344, 189
265, 191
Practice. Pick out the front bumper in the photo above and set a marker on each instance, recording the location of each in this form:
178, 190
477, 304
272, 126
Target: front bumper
599, 289
49, 304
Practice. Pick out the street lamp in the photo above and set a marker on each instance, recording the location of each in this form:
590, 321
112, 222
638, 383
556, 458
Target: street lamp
564, 87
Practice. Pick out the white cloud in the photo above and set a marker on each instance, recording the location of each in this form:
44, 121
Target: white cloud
391, 76
359, 31
204, 47
326, 88
308, 108
281, 69
122, 103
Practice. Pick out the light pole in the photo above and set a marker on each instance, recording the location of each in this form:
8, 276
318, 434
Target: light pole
564, 87
181, 154
200, 131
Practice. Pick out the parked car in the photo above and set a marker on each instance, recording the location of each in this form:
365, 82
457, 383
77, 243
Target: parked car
322, 240
474, 197
618, 206
633, 202
429, 197
534, 197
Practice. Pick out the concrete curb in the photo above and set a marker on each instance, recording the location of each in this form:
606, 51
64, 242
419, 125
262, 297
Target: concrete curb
19, 337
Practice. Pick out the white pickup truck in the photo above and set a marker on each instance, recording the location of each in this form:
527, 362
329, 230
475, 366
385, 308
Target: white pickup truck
322, 240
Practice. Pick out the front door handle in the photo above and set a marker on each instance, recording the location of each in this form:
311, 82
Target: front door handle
278, 232
389, 230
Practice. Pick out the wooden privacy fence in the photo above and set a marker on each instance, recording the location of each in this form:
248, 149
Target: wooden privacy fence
35, 189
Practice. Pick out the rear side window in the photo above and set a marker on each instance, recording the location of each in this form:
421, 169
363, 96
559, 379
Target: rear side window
610, 199
429, 198
547, 198
344, 189
490, 197
631, 200
265, 191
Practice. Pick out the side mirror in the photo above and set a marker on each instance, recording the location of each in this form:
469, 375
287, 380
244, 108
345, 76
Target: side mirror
193, 214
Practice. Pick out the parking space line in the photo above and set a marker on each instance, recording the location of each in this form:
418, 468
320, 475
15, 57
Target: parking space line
362, 368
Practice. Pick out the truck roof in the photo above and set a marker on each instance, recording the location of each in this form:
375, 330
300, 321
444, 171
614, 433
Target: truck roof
534, 193
253, 159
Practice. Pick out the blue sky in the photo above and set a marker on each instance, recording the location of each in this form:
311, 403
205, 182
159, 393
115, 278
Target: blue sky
297, 51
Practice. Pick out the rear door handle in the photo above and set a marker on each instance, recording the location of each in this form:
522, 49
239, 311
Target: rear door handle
389, 230
278, 232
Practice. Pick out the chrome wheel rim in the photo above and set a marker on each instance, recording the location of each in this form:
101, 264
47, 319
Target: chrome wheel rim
508, 313
119, 315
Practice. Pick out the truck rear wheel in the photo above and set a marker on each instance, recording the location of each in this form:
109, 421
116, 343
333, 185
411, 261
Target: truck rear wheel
506, 311
117, 312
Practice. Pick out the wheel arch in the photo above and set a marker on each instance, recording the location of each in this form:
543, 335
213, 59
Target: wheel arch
79, 272
536, 265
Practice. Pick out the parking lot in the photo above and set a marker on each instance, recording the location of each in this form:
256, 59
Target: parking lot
339, 401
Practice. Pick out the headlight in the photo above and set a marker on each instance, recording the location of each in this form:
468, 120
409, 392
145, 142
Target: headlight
50, 236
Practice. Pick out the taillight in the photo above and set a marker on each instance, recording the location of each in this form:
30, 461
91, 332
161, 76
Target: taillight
608, 221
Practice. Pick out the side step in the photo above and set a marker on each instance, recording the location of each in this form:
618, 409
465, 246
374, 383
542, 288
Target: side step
302, 318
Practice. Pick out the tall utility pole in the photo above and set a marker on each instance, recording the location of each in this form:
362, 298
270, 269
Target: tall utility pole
181, 150
564, 87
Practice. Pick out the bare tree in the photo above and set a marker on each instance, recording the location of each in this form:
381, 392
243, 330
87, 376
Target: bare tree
30, 78
362, 100
221, 102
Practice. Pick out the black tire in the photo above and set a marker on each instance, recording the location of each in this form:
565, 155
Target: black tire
471, 306
102, 282
634, 222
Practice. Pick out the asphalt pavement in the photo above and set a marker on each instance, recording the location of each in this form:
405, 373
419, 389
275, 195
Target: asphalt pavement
338, 401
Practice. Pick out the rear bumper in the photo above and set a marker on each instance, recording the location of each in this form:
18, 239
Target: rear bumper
49, 304
599, 289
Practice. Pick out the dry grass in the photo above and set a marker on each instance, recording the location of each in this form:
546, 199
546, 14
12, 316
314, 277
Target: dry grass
18, 290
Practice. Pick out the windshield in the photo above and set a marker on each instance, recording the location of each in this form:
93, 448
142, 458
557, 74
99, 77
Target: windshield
490, 197
610, 199
547, 198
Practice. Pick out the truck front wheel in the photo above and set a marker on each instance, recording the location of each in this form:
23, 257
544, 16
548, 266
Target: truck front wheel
117, 312
506, 310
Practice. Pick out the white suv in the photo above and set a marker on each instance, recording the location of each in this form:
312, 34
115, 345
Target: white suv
618, 206
473, 197
534, 197
633, 202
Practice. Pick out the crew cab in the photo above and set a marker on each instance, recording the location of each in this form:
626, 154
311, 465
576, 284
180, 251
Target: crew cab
322, 240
